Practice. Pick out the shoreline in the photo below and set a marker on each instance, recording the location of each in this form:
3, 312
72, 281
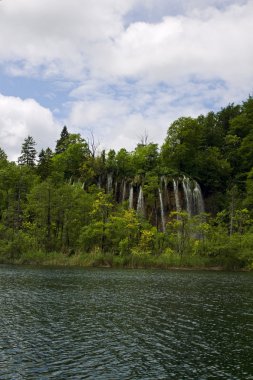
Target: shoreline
126, 267
143, 260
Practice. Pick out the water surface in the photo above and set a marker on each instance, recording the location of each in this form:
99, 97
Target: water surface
125, 324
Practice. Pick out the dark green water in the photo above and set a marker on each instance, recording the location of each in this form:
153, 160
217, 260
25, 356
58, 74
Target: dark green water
124, 324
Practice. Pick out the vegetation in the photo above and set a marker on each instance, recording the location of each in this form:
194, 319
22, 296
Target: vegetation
71, 207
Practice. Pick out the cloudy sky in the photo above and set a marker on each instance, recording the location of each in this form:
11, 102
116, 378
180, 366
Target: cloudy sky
118, 68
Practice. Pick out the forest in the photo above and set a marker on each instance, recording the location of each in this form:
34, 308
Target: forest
186, 203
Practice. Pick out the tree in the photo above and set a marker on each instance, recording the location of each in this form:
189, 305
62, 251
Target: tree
182, 144
3, 155
212, 169
70, 161
62, 143
179, 229
45, 163
15, 184
226, 115
124, 164
28, 152
249, 186
58, 213
99, 215
93, 144
145, 158
111, 164
242, 128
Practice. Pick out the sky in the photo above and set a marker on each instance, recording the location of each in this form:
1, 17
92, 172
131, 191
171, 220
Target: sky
118, 69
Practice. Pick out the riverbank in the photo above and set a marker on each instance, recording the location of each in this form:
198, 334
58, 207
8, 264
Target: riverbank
98, 259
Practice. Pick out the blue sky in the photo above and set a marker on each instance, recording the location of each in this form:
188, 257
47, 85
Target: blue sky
118, 68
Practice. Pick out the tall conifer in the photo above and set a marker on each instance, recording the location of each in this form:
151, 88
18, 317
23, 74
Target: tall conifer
28, 152
62, 143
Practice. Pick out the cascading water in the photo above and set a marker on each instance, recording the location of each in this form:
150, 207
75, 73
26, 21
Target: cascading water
165, 180
162, 210
109, 183
176, 195
193, 197
123, 191
198, 199
131, 197
140, 202
99, 183
188, 195
164, 187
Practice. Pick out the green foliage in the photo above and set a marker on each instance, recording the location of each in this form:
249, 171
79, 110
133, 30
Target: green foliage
145, 158
62, 143
61, 204
150, 188
3, 156
111, 163
213, 169
124, 164
249, 188
44, 167
28, 152
15, 184
71, 160
179, 230
182, 144
59, 214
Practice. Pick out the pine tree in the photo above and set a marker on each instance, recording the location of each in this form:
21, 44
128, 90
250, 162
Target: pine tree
3, 155
28, 152
62, 143
45, 163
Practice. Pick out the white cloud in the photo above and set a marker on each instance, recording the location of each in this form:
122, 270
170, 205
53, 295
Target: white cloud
88, 38
57, 36
20, 118
210, 44
119, 119
139, 64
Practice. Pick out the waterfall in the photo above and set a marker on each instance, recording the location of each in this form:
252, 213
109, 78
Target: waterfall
131, 197
109, 183
198, 199
188, 195
165, 183
175, 187
140, 202
124, 191
193, 196
165, 192
162, 210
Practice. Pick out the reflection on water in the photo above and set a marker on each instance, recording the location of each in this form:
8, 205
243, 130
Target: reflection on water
123, 324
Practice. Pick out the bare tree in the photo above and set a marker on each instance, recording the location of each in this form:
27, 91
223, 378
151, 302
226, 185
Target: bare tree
93, 144
144, 138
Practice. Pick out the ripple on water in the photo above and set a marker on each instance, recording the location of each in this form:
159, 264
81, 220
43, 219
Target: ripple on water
114, 324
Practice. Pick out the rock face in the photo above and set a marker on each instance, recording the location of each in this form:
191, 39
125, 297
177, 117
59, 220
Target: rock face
170, 194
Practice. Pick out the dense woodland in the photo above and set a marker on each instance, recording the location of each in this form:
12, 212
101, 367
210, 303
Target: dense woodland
80, 205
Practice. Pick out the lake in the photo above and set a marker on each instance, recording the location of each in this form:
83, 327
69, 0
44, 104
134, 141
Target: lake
58, 323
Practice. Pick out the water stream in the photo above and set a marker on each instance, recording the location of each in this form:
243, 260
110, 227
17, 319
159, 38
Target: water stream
162, 210
140, 202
